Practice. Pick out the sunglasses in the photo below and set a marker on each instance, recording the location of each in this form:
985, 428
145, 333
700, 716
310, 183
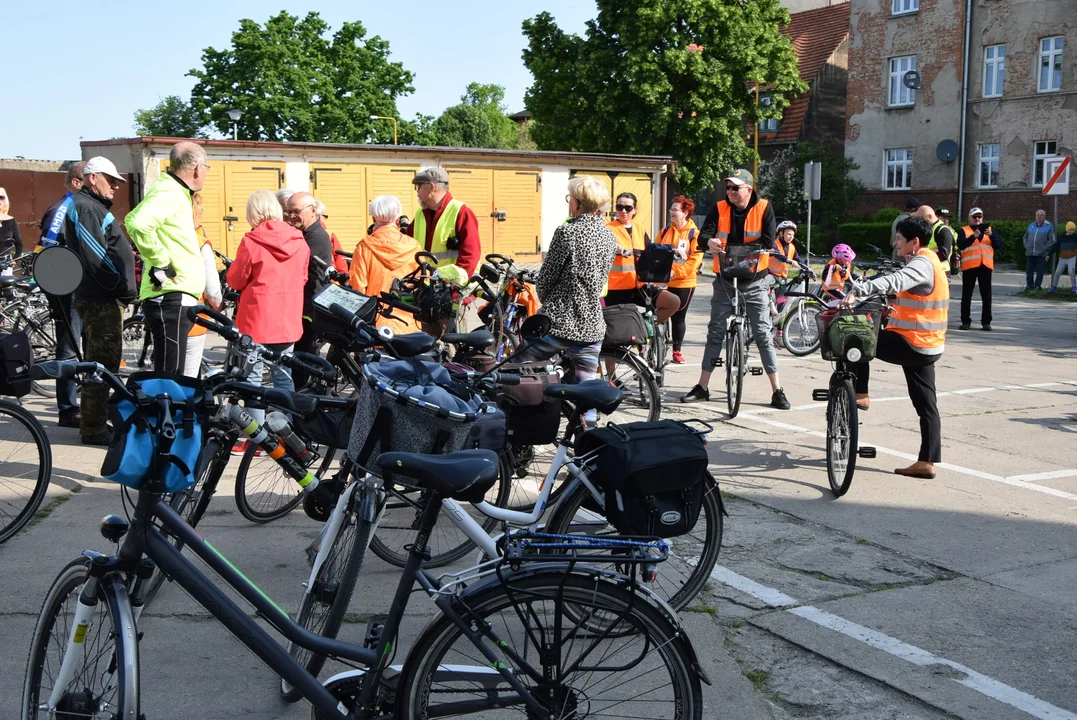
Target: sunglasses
626, 208
976, 216
734, 188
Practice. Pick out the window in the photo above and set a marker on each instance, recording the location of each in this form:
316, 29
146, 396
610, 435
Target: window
994, 70
989, 155
767, 124
1050, 64
1041, 151
901, 96
897, 170
900, 7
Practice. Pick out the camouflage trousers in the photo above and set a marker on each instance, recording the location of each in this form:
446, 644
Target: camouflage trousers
102, 341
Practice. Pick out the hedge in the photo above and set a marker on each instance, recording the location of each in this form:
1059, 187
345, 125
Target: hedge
860, 234
886, 214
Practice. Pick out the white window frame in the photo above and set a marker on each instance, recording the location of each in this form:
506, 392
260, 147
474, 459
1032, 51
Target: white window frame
904, 7
769, 125
991, 154
896, 89
1051, 56
1041, 150
994, 71
898, 160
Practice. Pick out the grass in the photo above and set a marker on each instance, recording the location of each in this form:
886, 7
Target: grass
51, 507
703, 608
758, 678
1063, 294
863, 541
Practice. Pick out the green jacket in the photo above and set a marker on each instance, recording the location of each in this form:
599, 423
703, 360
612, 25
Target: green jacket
162, 228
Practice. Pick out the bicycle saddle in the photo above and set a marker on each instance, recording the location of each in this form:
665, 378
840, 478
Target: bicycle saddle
742, 271
465, 475
412, 344
8, 280
476, 339
589, 395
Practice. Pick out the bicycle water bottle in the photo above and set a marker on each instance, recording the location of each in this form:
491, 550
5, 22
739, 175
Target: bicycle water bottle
278, 424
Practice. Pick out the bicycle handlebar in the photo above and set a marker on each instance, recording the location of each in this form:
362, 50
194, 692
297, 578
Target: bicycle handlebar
331, 273
309, 363
69, 370
391, 301
498, 259
218, 322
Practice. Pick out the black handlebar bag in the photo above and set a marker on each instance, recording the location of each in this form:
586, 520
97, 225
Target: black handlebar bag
655, 263
652, 474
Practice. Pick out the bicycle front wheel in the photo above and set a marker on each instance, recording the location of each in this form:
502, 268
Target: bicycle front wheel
800, 331
105, 680
735, 368
25, 467
137, 345
264, 491
841, 435
605, 650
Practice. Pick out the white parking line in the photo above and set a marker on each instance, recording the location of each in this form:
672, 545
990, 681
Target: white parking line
1051, 475
979, 682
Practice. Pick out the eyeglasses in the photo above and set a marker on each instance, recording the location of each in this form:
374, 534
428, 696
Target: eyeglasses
205, 165
626, 208
734, 188
976, 216
569, 198
299, 211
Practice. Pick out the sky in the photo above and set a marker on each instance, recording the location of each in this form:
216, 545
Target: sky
104, 60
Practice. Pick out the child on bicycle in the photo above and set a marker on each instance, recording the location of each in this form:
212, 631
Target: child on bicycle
837, 272
785, 247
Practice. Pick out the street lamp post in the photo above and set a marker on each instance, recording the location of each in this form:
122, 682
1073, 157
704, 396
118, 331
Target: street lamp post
386, 117
235, 114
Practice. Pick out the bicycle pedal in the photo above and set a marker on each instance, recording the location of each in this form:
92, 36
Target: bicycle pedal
866, 452
373, 634
719, 363
820, 395
757, 371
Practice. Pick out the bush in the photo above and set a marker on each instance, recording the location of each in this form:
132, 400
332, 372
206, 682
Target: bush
859, 235
887, 214
1012, 233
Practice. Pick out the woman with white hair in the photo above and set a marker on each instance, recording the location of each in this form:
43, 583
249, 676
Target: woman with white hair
269, 272
10, 237
383, 256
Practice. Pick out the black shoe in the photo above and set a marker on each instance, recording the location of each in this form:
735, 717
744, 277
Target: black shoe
779, 400
101, 438
987, 326
72, 420
964, 326
696, 394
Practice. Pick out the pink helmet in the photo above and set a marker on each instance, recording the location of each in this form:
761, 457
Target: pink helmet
843, 253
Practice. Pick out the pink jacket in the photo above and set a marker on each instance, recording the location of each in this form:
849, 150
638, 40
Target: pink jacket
269, 272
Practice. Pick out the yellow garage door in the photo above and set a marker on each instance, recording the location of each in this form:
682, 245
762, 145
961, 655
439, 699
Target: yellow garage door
212, 204
518, 215
640, 186
475, 187
240, 180
342, 187
603, 176
392, 180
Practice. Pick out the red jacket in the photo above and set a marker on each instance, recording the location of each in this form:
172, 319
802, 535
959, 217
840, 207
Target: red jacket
270, 271
467, 230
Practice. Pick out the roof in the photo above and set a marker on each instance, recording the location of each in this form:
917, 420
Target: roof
815, 35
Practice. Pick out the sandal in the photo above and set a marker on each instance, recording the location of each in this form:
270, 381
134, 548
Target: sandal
863, 402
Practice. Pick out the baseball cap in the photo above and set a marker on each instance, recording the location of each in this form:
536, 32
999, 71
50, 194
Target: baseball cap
740, 176
944, 212
975, 211
430, 175
102, 166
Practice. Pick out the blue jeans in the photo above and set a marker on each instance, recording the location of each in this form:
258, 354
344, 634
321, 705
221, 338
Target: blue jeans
1034, 266
281, 377
67, 402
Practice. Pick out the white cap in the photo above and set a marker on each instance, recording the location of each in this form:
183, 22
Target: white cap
975, 211
102, 166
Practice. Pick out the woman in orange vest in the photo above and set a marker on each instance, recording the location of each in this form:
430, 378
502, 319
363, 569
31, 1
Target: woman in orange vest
212, 296
624, 287
915, 334
681, 234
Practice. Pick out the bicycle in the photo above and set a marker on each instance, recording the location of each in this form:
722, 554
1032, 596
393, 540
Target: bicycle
590, 623
25, 467
796, 328
735, 355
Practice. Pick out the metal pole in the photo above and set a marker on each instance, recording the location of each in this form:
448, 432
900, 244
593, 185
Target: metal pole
809, 227
235, 131
755, 161
1054, 256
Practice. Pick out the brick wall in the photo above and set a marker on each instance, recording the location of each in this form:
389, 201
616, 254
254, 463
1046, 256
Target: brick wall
31, 193
1004, 205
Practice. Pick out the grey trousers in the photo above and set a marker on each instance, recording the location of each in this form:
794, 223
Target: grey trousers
758, 304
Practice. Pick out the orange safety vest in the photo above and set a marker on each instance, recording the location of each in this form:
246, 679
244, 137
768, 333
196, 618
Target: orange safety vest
921, 319
781, 261
623, 272
197, 330
684, 273
980, 252
835, 280
753, 225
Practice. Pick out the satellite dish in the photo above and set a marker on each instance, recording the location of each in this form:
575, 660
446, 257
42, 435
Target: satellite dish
947, 151
911, 80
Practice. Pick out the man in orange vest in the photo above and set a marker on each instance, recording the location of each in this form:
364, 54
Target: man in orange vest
915, 334
740, 224
977, 242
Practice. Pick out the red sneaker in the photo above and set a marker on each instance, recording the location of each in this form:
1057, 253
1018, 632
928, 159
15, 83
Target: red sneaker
678, 357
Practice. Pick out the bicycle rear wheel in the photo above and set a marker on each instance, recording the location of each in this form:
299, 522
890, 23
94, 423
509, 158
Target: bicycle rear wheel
624, 369
735, 368
800, 331
264, 491
137, 345
25, 467
40, 328
841, 434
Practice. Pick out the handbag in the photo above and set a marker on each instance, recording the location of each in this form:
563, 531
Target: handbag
624, 326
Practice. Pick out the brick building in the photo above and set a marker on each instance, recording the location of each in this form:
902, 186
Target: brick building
1021, 102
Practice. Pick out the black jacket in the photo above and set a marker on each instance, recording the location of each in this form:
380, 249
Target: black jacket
320, 247
108, 261
736, 225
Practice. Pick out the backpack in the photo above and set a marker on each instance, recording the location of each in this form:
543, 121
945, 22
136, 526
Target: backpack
652, 473
624, 326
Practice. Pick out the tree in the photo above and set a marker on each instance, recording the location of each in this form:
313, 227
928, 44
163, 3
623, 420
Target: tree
633, 84
782, 182
293, 83
172, 117
479, 120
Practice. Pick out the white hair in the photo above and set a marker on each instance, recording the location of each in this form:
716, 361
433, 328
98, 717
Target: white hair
319, 207
385, 208
262, 206
283, 195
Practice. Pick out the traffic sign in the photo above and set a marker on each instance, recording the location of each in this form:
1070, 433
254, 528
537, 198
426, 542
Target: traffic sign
1058, 170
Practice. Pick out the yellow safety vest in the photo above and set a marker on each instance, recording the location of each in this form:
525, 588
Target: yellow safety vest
445, 229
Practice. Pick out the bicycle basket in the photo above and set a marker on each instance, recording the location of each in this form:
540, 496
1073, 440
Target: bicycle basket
850, 333
410, 405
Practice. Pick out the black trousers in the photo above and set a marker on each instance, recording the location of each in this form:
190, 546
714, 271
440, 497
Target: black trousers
305, 344
680, 317
969, 278
169, 327
920, 379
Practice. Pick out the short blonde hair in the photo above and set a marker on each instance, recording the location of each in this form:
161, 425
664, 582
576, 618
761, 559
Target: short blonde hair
262, 205
591, 193
5, 204
386, 208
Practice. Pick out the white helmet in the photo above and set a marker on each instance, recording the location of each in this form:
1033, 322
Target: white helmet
787, 225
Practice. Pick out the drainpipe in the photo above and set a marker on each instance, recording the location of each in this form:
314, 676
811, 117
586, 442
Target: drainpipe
964, 111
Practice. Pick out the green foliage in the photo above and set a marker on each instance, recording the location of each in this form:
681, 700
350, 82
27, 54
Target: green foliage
859, 235
632, 85
293, 83
172, 117
1012, 233
419, 131
782, 182
479, 120
886, 214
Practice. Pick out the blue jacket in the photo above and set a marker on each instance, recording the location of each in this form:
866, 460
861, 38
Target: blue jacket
1039, 239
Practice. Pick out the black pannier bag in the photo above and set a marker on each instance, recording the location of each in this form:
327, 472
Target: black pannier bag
652, 474
487, 432
624, 326
16, 357
655, 264
531, 417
